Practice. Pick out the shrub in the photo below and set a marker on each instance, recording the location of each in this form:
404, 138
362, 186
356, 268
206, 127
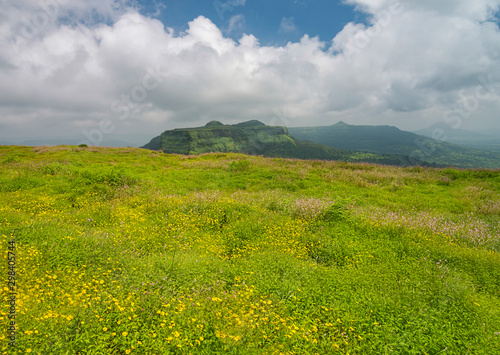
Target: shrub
239, 166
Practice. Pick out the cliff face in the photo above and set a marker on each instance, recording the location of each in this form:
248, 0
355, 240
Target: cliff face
251, 137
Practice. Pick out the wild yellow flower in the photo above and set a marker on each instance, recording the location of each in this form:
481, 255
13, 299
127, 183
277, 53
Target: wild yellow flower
125, 334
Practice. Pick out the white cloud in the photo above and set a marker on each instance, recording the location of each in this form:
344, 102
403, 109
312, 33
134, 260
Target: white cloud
409, 66
236, 23
287, 25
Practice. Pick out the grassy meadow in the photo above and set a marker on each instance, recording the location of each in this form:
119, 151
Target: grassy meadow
130, 251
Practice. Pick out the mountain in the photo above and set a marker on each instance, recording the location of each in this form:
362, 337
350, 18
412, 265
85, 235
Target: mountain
485, 140
382, 139
248, 137
392, 140
255, 138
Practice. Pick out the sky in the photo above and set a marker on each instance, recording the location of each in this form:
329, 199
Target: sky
99, 68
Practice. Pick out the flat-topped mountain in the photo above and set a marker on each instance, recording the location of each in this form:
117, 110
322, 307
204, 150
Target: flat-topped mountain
249, 137
256, 138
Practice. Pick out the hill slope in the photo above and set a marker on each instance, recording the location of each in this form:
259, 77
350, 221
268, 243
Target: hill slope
120, 251
254, 137
391, 140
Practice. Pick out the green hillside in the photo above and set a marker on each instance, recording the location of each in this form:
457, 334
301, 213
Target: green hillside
248, 137
254, 137
133, 251
391, 140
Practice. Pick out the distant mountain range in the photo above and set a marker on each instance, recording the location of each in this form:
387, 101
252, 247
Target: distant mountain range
254, 137
392, 140
341, 141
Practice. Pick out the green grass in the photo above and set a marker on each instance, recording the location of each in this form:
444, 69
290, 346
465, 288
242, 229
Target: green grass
124, 251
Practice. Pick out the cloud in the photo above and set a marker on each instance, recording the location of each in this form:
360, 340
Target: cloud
131, 72
236, 23
287, 25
